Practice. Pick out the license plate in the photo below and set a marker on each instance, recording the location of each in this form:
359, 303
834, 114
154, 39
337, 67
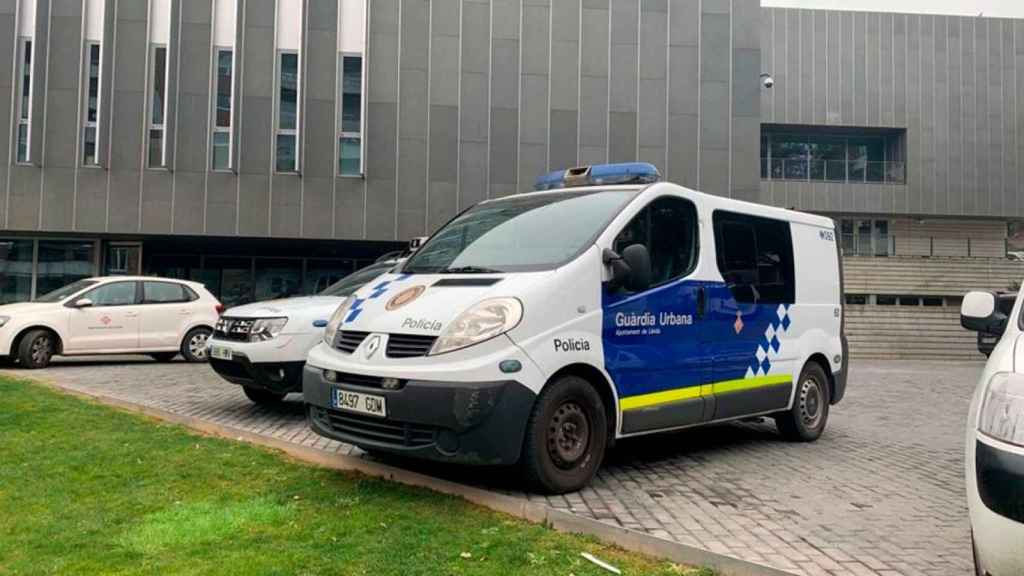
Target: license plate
220, 352
359, 403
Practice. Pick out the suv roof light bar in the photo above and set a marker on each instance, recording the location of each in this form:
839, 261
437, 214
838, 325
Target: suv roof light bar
599, 175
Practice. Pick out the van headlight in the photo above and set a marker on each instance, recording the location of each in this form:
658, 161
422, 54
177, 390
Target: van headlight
264, 329
331, 331
1002, 409
483, 321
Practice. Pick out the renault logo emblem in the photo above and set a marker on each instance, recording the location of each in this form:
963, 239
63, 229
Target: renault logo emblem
404, 297
372, 345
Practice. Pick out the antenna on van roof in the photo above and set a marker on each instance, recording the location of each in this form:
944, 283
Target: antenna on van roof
599, 175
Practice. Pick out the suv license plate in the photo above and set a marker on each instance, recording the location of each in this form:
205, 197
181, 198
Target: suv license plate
359, 403
220, 352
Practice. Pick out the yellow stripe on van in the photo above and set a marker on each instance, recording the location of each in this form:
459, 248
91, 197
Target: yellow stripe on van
723, 387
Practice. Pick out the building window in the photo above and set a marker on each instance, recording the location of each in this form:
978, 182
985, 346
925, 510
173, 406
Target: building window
829, 154
287, 135
222, 135
90, 131
158, 108
62, 262
865, 237
25, 101
857, 299
350, 115
16, 258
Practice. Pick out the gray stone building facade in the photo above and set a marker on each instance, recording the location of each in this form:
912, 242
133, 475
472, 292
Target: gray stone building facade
269, 146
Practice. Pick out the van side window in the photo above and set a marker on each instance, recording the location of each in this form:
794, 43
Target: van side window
163, 293
668, 227
113, 294
755, 257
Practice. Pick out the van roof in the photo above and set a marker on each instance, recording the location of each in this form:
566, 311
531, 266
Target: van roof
716, 202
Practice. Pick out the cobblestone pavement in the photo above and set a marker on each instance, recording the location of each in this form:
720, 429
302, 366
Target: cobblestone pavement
881, 492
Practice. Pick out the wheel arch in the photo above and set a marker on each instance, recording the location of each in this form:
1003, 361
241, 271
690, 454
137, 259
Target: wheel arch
820, 359
16, 341
602, 385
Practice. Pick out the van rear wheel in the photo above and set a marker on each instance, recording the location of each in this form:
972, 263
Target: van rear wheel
37, 348
806, 420
566, 437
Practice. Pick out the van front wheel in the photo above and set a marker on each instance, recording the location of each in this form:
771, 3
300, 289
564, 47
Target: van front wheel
565, 437
806, 420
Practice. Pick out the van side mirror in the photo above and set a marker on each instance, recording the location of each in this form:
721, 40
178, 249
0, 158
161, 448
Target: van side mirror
631, 270
82, 303
979, 312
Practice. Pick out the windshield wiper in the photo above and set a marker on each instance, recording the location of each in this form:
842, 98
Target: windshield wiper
469, 270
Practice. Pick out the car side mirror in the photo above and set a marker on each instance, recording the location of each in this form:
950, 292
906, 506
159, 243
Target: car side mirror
83, 303
631, 270
979, 312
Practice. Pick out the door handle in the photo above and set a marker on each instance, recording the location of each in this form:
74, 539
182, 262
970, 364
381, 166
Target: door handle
131, 315
702, 301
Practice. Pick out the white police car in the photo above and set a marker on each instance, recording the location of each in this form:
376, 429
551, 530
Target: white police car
540, 327
262, 346
995, 439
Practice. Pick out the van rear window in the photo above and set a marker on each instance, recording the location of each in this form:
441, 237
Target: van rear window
755, 257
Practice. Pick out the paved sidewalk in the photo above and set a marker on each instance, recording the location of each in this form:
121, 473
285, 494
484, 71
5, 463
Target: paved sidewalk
881, 492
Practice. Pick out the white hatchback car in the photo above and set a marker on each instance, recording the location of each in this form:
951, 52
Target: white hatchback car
161, 317
995, 439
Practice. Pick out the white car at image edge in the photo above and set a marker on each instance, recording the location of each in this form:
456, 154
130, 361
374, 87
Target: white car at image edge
995, 440
161, 317
263, 346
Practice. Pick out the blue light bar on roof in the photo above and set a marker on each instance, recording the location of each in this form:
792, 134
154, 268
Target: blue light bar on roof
599, 175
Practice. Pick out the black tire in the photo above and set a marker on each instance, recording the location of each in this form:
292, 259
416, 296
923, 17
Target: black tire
193, 347
260, 396
36, 349
806, 420
163, 356
566, 437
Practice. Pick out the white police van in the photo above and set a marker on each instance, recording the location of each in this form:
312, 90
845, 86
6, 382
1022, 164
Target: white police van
538, 328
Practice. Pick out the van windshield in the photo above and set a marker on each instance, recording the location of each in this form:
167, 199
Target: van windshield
520, 233
65, 291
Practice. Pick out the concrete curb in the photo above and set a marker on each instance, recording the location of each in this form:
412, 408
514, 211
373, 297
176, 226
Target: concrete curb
531, 511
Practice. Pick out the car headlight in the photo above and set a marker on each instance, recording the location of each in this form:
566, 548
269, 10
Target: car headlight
4, 320
331, 331
483, 321
266, 328
1002, 410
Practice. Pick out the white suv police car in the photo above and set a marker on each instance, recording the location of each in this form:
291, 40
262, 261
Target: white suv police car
538, 328
161, 317
262, 346
995, 439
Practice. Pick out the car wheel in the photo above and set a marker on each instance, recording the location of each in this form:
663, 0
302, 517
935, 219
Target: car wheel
193, 348
566, 437
37, 348
806, 420
260, 396
163, 356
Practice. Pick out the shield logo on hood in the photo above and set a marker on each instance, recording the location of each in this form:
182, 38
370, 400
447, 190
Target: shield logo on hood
404, 297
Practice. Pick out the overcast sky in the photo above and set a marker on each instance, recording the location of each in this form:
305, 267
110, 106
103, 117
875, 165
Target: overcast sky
1000, 8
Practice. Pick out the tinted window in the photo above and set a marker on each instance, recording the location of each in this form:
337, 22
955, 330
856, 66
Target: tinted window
668, 228
755, 257
356, 280
65, 291
163, 293
114, 294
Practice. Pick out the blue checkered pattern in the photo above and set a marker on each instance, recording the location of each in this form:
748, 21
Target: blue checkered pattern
761, 364
379, 290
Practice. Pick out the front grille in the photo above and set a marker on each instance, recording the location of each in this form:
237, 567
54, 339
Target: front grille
377, 429
409, 345
348, 340
233, 329
365, 381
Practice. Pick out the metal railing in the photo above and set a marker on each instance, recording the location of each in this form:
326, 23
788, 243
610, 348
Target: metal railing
875, 171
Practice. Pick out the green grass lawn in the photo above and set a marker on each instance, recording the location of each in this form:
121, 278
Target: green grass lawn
86, 489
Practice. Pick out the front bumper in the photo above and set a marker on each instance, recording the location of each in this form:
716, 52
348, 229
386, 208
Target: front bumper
460, 422
278, 377
995, 499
